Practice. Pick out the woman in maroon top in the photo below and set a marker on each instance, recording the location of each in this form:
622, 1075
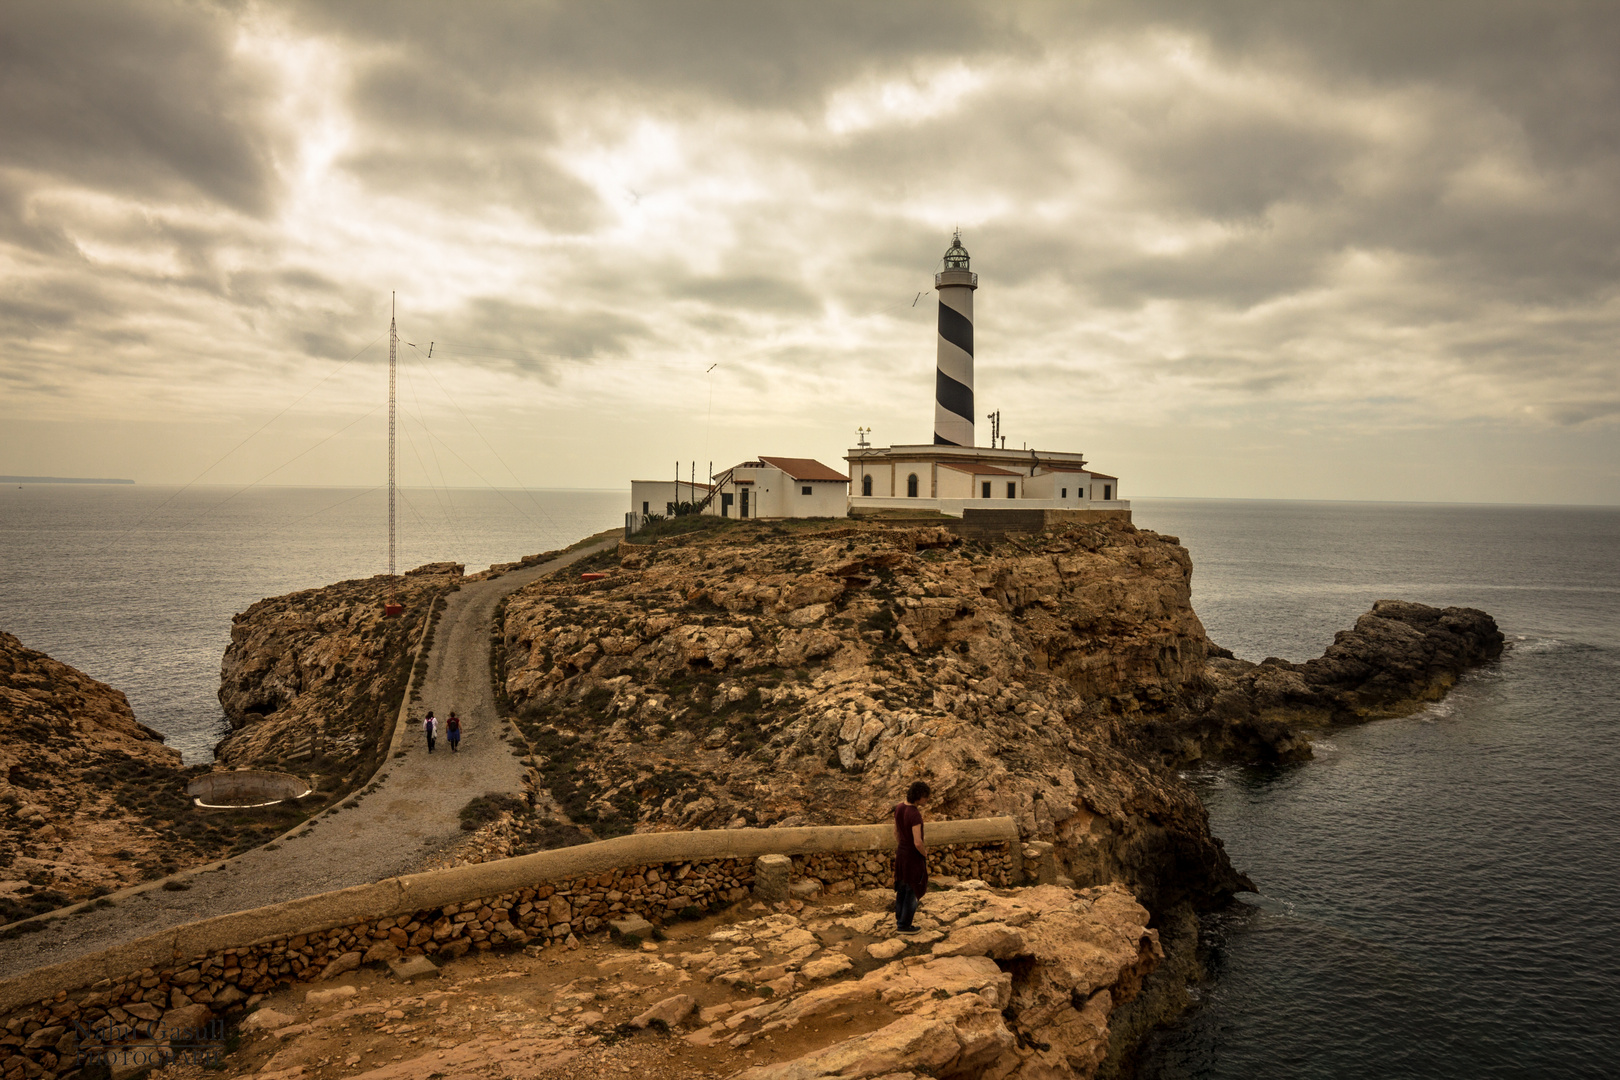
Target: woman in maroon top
910, 858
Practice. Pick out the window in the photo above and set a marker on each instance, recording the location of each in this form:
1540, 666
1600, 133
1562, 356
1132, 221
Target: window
1065, 493
1012, 489
805, 490
644, 508
984, 490
1108, 492
725, 504
866, 486
911, 486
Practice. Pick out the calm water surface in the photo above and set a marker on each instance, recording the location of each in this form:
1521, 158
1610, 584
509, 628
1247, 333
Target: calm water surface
1439, 895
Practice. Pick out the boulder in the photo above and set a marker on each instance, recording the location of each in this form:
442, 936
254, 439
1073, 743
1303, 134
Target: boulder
886, 950
188, 1024
670, 1012
955, 1036
413, 968
631, 926
825, 967
265, 1020
381, 952
995, 940
342, 965
323, 997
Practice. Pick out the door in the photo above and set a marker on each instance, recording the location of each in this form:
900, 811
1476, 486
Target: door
743, 512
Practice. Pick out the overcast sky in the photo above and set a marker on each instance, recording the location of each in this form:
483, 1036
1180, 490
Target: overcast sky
1279, 250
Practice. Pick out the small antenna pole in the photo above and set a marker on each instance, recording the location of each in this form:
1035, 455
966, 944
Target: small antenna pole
393, 349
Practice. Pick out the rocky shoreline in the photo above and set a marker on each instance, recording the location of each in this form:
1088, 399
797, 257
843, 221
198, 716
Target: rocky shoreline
790, 673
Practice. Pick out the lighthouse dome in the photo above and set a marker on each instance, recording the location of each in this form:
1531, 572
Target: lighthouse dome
956, 256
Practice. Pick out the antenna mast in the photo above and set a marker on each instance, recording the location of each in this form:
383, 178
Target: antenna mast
393, 347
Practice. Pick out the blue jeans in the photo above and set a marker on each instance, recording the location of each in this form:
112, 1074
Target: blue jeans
905, 906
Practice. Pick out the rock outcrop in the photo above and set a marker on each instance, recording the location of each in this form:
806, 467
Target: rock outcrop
761, 675
1014, 983
90, 798
66, 825
1398, 656
312, 680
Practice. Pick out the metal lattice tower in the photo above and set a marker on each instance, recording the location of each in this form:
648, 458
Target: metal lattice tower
393, 348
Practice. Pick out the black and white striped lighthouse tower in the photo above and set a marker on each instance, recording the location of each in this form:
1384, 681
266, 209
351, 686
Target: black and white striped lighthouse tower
953, 379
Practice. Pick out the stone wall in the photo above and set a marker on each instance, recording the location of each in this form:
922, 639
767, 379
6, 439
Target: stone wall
994, 864
186, 989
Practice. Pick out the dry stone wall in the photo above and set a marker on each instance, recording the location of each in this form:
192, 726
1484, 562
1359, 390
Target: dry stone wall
50, 1036
993, 864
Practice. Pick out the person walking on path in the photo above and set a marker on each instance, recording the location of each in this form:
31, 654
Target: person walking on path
452, 728
910, 858
430, 728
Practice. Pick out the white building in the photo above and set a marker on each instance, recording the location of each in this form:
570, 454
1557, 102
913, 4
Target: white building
767, 487
953, 478
781, 487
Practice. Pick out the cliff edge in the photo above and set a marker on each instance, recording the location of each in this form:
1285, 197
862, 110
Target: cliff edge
762, 673
766, 674
72, 765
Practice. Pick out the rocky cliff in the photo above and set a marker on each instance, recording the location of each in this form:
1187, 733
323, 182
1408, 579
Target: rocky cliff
90, 798
761, 674
779, 673
764, 674
312, 681
72, 762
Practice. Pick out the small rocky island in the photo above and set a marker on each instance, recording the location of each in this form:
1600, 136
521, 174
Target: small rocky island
772, 674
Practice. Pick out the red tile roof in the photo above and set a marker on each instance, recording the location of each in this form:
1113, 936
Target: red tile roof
803, 468
1101, 475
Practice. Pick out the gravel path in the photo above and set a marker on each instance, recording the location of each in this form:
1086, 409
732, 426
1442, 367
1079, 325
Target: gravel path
414, 814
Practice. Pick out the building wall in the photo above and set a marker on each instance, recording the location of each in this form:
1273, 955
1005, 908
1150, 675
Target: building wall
658, 494
954, 507
773, 493
1067, 487
827, 498
955, 484
998, 486
883, 478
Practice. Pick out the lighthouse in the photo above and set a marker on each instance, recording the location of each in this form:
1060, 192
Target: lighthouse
953, 377
953, 476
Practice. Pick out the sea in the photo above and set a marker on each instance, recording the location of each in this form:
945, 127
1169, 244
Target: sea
1439, 895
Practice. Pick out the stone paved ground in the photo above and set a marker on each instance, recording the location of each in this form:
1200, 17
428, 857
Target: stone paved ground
412, 813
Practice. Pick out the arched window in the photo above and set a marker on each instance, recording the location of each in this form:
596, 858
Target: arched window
911, 486
866, 486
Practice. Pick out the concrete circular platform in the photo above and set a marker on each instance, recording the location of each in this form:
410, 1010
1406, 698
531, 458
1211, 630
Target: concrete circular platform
245, 789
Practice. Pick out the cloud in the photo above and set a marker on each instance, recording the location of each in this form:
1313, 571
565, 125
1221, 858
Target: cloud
1319, 215
148, 98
